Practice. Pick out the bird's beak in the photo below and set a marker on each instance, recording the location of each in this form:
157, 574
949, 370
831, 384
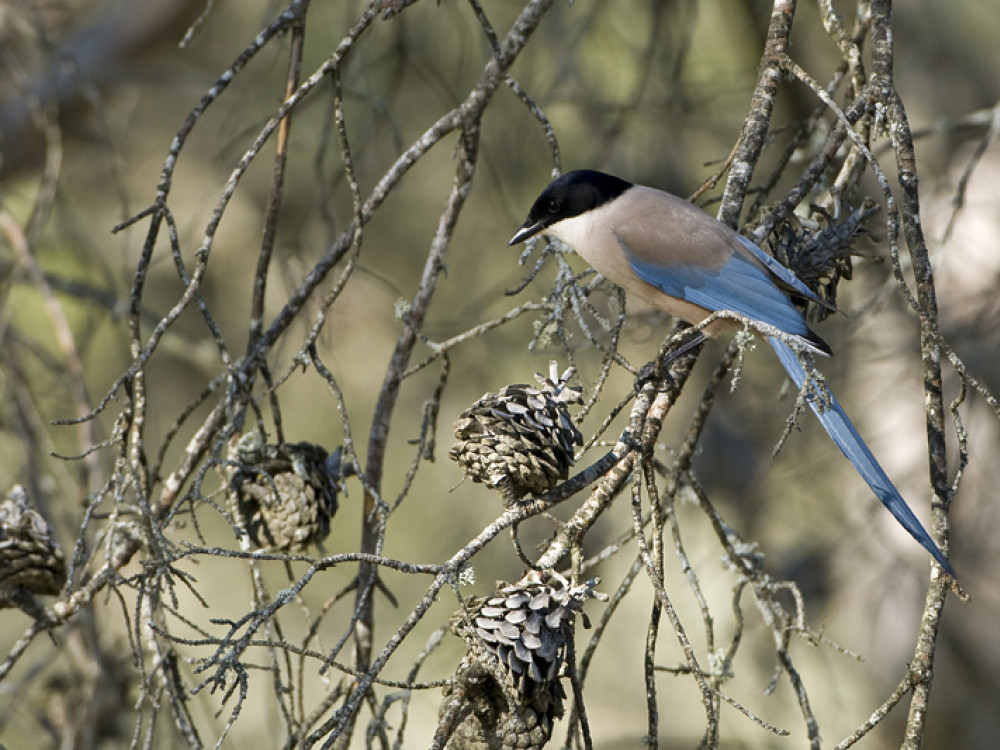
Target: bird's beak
526, 231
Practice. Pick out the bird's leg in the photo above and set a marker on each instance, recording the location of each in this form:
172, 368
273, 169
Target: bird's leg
657, 369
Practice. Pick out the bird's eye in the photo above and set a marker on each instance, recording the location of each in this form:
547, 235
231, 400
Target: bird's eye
554, 206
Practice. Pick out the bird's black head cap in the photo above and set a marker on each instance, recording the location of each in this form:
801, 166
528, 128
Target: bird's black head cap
570, 195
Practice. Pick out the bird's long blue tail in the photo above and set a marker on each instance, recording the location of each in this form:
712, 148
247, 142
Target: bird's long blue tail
834, 420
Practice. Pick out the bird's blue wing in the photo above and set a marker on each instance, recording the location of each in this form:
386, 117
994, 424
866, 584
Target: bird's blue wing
837, 425
739, 285
789, 278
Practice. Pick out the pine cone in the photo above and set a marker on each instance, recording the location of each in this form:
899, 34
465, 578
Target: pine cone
520, 440
507, 689
284, 495
819, 249
30, 561
479, 715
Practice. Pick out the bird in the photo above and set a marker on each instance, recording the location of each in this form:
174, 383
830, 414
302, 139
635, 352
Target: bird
681, 260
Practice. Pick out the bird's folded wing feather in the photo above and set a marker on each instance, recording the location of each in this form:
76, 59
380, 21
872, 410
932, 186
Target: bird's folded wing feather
738, 284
